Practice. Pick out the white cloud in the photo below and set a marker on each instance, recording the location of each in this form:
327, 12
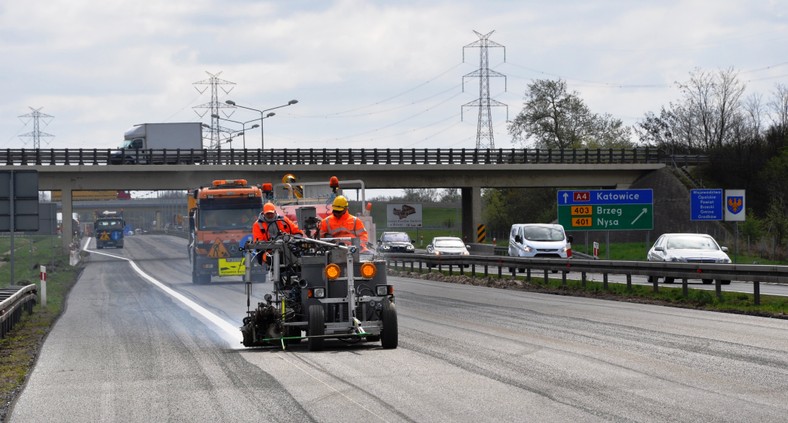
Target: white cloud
366, 73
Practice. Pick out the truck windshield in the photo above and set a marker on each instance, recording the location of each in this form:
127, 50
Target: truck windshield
228, 219
109, 224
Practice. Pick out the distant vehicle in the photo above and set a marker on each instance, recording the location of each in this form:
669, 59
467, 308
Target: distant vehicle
688, 248
182, 140
108, 229
447, 246
542, 240
395, 242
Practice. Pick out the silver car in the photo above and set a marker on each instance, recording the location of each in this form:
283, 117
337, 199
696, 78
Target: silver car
447, 246
688, 248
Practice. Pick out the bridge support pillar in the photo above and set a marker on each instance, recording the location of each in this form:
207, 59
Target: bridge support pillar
67, 209
471, 212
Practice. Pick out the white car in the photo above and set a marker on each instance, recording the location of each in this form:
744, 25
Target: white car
688, 248
542, 240
447, 246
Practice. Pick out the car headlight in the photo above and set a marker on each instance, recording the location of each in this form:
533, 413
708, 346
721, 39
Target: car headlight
409, 247
317, 293
386, 247
678, 259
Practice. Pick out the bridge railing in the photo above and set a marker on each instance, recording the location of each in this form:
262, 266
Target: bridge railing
341, 156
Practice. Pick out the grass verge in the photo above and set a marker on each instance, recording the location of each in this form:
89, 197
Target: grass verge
20, 347
728, 302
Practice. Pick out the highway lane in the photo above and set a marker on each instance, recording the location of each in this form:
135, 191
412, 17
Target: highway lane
125, 350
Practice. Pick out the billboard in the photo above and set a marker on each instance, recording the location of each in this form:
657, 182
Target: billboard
403, 215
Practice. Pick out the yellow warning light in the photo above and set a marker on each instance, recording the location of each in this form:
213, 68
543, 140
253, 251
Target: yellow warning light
332, 271
368, 270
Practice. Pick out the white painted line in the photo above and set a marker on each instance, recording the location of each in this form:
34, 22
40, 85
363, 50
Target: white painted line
230, 332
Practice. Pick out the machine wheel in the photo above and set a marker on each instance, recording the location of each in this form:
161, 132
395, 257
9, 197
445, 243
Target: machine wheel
317, 327
707, 281
389, 336
668, 280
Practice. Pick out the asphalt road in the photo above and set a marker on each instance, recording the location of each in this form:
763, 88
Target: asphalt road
154, 347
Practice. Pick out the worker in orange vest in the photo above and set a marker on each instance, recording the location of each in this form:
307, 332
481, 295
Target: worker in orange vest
340, 223
270, 225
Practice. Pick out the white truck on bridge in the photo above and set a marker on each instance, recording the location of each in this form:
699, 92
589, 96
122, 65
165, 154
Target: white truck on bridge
179, 142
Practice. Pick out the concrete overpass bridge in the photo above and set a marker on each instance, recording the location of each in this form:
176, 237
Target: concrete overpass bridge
467, 170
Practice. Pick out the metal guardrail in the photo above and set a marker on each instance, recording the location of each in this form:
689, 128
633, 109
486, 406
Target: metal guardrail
755, 273
15, 300
341, 156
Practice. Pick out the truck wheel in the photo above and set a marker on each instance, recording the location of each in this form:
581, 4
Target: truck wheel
317, 327
389, 336
197, 277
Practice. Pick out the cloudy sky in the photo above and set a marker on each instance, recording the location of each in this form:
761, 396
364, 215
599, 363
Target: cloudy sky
365, 73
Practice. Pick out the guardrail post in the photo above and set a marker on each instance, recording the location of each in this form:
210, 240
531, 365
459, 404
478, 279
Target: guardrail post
583, 279
655, 280
604, 281
684, 288
629, 282
718, 288
563, 279
546, 279
756, 293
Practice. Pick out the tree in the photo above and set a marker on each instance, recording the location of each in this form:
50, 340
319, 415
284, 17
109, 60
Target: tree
710, 114
450, 195
555, 118
420, 195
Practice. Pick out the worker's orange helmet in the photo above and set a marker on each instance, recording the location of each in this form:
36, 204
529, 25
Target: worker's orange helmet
269, 208
340, 203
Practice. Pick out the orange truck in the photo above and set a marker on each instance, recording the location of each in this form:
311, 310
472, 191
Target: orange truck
220, 223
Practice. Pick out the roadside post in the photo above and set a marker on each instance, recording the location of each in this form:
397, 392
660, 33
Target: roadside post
43, 277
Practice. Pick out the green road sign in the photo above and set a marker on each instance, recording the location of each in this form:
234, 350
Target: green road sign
606, 217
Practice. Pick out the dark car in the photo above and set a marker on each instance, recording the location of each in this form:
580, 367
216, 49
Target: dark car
395, 242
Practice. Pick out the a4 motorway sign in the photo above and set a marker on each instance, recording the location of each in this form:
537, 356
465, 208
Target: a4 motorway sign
606, 210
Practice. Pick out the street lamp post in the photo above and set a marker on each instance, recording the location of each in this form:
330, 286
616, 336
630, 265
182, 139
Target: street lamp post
243, 127
262, 116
